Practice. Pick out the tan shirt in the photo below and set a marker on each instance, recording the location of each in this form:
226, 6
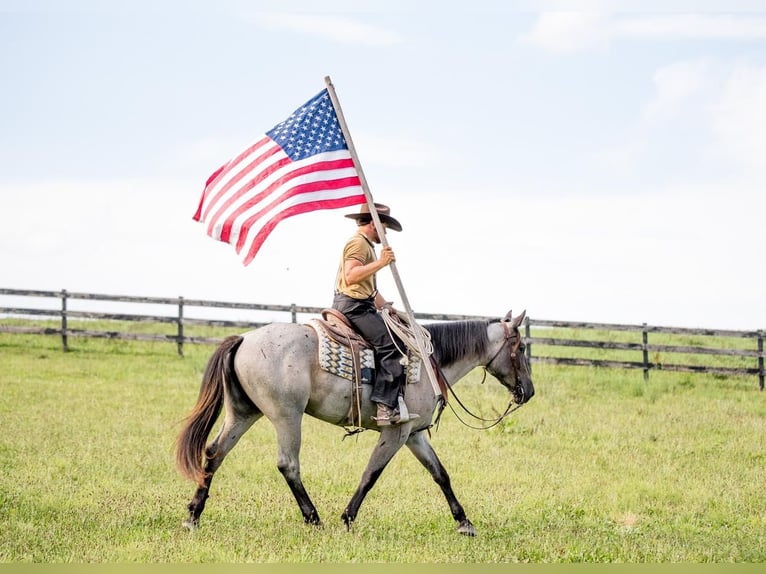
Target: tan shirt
361, 249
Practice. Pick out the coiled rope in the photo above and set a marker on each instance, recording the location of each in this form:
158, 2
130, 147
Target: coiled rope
398, 325
405, 332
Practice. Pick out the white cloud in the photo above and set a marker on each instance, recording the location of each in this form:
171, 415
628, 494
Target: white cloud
704, 117
739, 118
342, 30
398, 152
564, 32
211, 152
569, 32
619, 160
656, 257
706, 26
674, 85
610, 258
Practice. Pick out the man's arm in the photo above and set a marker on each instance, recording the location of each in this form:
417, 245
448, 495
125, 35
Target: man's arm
355, 272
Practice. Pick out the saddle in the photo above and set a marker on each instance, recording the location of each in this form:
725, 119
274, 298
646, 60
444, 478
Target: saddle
345, 353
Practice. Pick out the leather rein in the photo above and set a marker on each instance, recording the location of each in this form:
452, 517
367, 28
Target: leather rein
517, 396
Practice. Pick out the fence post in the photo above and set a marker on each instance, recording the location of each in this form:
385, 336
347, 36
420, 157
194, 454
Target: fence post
760, 360
527, 335
64, 338
180, 337
293, 313
645, 340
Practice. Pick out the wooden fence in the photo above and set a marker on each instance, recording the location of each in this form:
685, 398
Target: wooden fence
547, 348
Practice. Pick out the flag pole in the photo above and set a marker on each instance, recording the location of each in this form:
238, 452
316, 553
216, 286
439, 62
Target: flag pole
384, 241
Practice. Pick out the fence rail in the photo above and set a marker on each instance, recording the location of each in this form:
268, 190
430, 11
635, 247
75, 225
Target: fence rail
64, 312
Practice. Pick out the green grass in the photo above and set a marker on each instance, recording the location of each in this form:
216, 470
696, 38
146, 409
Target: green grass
599, 467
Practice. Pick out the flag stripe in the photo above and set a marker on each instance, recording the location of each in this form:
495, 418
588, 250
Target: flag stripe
233, 163
236, 172
198, 215
331, 174
234, 198
224, 225
302, 164
298, 209
217, 176
293, 195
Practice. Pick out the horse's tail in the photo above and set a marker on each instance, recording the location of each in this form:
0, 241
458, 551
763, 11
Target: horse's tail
190, 445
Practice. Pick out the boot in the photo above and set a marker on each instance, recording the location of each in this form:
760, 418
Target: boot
386, 416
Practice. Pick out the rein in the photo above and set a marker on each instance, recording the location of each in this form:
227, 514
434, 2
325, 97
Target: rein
517, 396
508, 410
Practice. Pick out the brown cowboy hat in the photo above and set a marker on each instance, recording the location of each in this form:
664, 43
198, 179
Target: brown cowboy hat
383, 214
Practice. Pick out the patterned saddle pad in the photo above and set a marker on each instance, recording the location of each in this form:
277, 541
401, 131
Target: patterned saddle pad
341, 350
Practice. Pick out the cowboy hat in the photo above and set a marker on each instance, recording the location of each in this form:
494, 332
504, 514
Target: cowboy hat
383, 214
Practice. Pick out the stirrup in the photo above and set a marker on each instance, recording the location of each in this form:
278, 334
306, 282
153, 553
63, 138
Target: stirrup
388, 416
404, 414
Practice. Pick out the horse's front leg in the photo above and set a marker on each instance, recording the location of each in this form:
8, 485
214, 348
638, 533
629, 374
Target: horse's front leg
424, 452
390, 441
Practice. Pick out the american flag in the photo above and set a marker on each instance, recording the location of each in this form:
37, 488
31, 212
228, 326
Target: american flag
303, 164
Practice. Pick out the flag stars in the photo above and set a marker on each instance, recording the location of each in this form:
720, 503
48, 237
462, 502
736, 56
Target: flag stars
234, 213
310, 130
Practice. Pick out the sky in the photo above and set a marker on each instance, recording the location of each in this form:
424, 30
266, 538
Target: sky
585, 161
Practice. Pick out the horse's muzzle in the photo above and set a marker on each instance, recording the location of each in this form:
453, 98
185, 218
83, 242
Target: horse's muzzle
522, 393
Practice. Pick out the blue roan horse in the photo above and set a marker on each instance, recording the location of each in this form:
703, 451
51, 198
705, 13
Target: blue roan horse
274, 371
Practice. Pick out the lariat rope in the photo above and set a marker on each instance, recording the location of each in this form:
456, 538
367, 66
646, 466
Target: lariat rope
406, 333
396, 325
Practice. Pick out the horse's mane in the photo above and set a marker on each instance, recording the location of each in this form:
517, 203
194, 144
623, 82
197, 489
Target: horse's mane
453, 341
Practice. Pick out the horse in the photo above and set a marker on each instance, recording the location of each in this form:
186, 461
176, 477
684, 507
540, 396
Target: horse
274, 371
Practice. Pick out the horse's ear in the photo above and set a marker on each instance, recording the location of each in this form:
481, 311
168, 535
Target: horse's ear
518, 320
508, 316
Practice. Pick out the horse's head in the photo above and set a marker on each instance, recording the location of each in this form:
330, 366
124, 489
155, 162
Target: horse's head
509, 364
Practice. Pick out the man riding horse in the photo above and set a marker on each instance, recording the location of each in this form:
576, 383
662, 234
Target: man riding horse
357, 297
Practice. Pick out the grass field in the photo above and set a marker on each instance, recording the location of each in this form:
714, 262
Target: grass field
599, 467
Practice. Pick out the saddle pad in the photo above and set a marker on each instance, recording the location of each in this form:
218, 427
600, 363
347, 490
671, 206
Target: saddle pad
412, 368
336, 358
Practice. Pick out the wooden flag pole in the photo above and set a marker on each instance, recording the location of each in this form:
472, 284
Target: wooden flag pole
384, 241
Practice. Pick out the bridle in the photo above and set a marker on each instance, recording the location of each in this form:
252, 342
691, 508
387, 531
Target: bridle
517, 394
508, 335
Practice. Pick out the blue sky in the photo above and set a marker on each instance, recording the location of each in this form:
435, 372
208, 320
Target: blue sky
596, 161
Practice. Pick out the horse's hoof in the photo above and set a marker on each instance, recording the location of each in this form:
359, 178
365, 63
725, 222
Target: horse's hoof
313, 519
348, 521
190, 524
466, 528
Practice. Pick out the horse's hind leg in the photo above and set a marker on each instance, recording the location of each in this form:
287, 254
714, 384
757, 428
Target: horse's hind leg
424, 452
390, 441
234, 426
288, 463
